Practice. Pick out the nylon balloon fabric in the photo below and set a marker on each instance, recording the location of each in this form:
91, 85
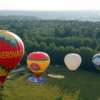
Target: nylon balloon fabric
11, 52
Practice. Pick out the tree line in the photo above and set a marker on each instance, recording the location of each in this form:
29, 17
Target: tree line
58, 38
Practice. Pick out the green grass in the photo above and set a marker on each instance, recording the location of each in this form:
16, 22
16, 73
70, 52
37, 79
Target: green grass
83, 85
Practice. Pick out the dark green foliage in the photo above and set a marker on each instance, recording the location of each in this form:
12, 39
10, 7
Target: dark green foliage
58, 38
1, 96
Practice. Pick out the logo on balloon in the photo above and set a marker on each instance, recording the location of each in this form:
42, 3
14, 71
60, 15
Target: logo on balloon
35, 67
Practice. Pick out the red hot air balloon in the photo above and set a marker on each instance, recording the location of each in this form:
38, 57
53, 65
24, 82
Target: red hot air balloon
11, 53
38, 62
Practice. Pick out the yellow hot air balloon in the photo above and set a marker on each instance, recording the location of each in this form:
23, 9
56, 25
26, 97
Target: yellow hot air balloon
38, 63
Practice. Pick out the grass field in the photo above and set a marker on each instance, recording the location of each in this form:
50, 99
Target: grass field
83, 85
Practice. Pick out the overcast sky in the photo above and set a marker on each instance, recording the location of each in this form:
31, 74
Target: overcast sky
49, 4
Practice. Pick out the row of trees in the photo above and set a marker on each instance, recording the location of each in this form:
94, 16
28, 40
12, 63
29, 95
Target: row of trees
57, 54
58, 38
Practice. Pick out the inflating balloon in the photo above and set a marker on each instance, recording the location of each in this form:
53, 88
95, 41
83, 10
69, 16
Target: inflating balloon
56, 76
11, 53
96, 61
38, 63
72, 61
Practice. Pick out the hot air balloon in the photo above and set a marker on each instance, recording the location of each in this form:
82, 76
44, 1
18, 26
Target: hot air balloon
11, 53
56, 76
38, 62
72, 61
96, 61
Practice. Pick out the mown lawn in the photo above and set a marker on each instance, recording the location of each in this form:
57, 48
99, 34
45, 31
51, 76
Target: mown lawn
83, 85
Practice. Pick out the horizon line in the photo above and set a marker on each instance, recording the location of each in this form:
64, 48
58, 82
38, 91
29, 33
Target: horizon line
48, 10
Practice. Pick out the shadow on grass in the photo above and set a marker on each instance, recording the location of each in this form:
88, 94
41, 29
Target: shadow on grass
1, 96
18, 74
81, 86
59, 98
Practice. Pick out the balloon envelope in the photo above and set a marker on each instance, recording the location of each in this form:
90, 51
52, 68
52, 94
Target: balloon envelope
56, 76
11, 53
72, 61
96, 61
38, 62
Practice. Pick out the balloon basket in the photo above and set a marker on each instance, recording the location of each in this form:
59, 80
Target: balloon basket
36, 80
2, 88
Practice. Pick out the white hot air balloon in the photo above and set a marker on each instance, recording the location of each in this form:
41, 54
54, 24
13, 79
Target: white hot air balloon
72, 61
